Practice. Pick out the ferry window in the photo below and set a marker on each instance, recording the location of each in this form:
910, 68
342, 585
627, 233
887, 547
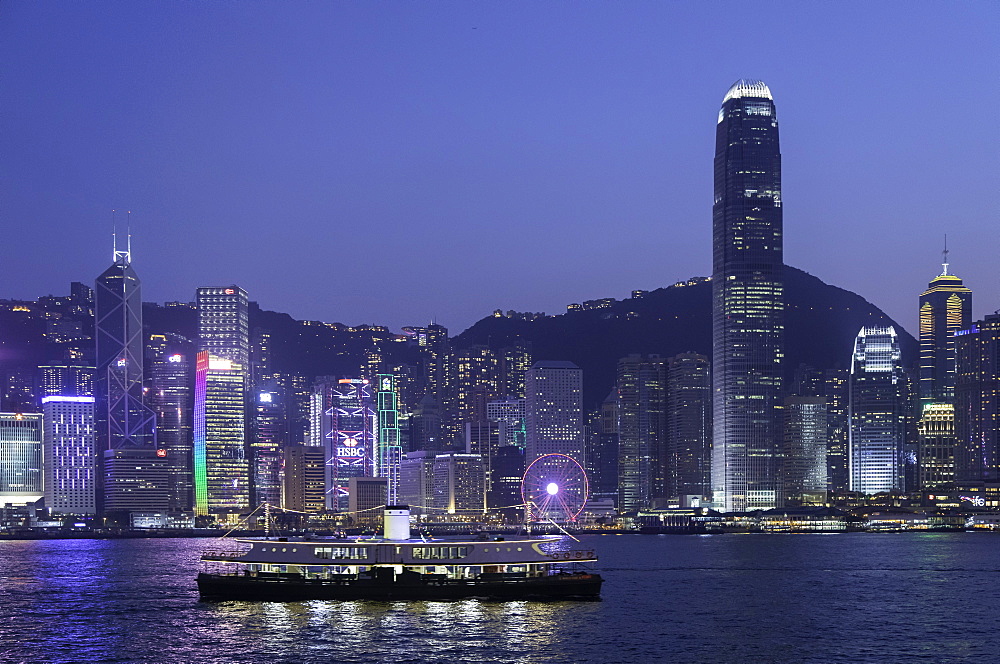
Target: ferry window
440, 552
337, 552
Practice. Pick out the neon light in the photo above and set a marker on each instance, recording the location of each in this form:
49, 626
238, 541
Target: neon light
59, 399
552, 488
266, 397
229, 291
175, 358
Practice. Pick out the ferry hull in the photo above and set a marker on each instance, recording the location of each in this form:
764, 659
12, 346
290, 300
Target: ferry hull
271, 589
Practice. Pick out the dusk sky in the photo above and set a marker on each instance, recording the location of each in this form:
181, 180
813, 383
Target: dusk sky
397, 162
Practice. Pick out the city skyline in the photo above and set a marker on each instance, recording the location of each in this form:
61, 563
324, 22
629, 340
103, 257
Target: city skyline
468, 170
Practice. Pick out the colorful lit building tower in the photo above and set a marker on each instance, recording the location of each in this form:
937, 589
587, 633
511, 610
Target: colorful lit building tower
124, 426
68, 453
350, 434
977, 401
877, 411
221, 459
747, 301
945, 308
389, 453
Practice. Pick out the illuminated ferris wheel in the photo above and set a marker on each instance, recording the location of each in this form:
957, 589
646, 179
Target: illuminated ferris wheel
554, 488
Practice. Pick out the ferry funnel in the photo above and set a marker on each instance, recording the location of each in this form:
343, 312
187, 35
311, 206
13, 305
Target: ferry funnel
397, 522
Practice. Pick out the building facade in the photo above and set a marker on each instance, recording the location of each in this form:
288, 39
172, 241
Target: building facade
68, 454
977, 401
554, 411
21, 475
689, 425
641, 385
747, 301
877, 412
945, 308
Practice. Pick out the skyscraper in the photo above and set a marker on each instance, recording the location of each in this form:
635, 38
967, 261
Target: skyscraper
945, 308
977, 401
641, 431
170, 397
937, 445
20, 458
122, 422
351, 435
877, 412
747, 301
68, 452
554, 410
221, 459
689, 425
803, 468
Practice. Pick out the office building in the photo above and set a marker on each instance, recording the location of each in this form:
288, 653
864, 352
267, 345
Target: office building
350, 431
416, 482
602, 449
304, 479
877, 412
21, 477
945, 308
122, 421
222, 463
171, 398
366, 498
554, 411
977, 401
804, 459
389, 453
689, 425
747, 301
641, 387
459, 483
68, 454
936, 430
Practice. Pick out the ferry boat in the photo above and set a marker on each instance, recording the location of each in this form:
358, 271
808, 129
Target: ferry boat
398, 567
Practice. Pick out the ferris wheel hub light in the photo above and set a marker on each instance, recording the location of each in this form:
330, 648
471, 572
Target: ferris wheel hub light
552, 488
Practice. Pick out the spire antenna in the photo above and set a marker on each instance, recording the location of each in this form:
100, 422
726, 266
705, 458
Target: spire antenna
944, 256
128, 241
114, 236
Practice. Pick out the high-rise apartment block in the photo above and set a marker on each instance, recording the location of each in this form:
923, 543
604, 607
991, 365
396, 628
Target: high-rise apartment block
747, 301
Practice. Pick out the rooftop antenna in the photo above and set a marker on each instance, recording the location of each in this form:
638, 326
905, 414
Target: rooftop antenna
126, 255
944, 254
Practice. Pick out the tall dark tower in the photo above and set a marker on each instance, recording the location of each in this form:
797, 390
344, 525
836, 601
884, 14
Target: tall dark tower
131, 476
747, 301
945, 308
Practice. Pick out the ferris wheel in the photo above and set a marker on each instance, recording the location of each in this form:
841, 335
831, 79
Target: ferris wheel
554, 488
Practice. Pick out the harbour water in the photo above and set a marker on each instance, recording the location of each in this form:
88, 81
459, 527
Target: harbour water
724, 598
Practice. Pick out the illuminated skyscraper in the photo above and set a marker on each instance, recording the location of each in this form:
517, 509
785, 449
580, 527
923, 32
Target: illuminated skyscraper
977, 401
803, 468
121, 419
937, 445
747, 301
389, 452
68, 451
221, 459
945, 308
554, 411
641, 431
171, 398
20, 458
689, 425
350, 432
877, 412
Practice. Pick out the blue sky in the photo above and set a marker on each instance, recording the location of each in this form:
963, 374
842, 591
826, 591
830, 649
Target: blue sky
394, 162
